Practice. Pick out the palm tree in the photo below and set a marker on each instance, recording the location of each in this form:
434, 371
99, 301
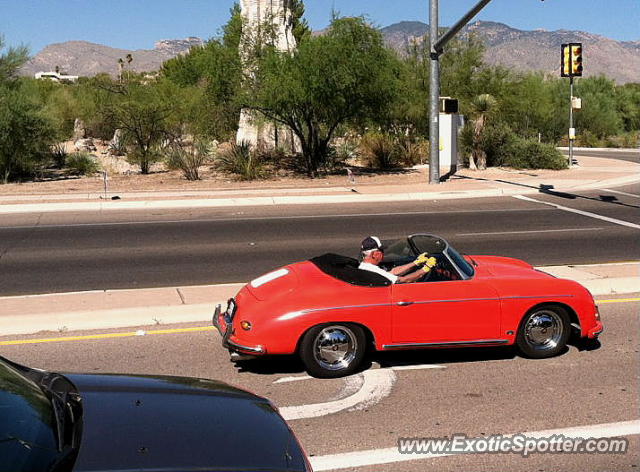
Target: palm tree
481, 107
120, 69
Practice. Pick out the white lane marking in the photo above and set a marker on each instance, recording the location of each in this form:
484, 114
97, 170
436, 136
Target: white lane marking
622, 193
391, 455
580, 212
266, 218
534, 231
297, 378
376, 385
417, 367
293, 379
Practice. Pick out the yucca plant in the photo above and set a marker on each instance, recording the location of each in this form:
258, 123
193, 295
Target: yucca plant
241, 160
481, 107
188, 159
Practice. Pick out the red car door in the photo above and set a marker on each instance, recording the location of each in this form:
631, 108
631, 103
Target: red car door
447, 311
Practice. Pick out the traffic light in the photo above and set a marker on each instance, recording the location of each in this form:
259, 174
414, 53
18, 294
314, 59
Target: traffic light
576, 60
571, 60
566, 61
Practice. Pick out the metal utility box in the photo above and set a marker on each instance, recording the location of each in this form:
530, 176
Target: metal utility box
450, 123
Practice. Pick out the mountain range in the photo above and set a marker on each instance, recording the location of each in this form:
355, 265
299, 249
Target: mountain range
88, 59
536, 50
516, 49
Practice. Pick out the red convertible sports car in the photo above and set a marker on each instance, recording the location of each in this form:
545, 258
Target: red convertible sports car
329, 312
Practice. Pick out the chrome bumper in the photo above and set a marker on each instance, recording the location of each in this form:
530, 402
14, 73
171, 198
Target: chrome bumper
226, 333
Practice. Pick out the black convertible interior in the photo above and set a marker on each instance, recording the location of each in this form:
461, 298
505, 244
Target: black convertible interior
346, 269
397, 253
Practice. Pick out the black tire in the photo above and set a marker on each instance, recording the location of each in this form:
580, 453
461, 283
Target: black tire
543, 332
333, 350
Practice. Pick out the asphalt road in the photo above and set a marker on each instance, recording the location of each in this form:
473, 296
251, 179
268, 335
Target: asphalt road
72, 252
631, 156
477, 392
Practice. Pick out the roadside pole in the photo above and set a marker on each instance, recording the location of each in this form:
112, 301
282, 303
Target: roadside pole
571, 128
434, 97
437, 48
571, 66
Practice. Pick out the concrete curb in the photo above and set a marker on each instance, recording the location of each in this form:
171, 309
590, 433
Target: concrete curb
107, 319
566, 148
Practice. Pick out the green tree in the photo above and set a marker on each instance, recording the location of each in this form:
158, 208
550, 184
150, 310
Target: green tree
299, 26
11, 60
346, 76
215, 69
599, 114
148, 115
628, 105
26, 135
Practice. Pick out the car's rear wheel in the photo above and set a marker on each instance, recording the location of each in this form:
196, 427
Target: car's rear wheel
544, 332
333, 350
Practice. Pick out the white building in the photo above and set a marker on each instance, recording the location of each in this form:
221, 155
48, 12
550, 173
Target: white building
56, 77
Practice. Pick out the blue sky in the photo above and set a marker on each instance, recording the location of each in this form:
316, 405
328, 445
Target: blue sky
137, 24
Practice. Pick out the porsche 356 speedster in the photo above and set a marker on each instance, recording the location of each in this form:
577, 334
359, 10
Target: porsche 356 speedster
330, 312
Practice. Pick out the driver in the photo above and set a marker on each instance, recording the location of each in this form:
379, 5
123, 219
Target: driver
373, 253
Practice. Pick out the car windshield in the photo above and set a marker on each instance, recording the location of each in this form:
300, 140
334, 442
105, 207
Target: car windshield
461, 262
28, 438
403, 251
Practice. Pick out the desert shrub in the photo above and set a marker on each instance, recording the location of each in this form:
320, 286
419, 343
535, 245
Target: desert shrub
59, 155
496, 140
626, 140
188, 159
379, 150
530, 154
81, 163
588, 139
411, 152
241, 160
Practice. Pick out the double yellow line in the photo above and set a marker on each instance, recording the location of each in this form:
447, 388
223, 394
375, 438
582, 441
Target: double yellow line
197, 329
107, 336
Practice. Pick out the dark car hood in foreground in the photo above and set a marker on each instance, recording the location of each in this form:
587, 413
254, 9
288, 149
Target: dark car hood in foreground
179, 424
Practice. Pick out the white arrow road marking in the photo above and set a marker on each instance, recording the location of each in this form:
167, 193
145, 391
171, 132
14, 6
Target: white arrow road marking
580, 212
391, 455
417, 367
376, 385
296, 378
293, 379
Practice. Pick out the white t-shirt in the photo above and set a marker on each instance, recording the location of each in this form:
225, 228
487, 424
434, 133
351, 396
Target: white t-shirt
374, 268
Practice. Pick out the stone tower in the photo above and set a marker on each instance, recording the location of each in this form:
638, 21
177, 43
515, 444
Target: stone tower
256, 13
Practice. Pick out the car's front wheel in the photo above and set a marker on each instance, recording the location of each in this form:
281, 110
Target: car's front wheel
333, 350
544, 332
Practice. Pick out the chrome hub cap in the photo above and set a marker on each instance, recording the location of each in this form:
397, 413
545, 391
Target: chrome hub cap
543, 330
335, 347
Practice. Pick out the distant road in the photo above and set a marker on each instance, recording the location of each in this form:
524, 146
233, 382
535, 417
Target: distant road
138, 249
631, 156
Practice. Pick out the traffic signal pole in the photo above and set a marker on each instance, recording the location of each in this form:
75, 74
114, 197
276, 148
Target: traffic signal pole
437, 48
571, 66
571, 138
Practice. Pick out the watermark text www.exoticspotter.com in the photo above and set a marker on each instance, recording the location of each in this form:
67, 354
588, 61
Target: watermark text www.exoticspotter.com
518, 444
